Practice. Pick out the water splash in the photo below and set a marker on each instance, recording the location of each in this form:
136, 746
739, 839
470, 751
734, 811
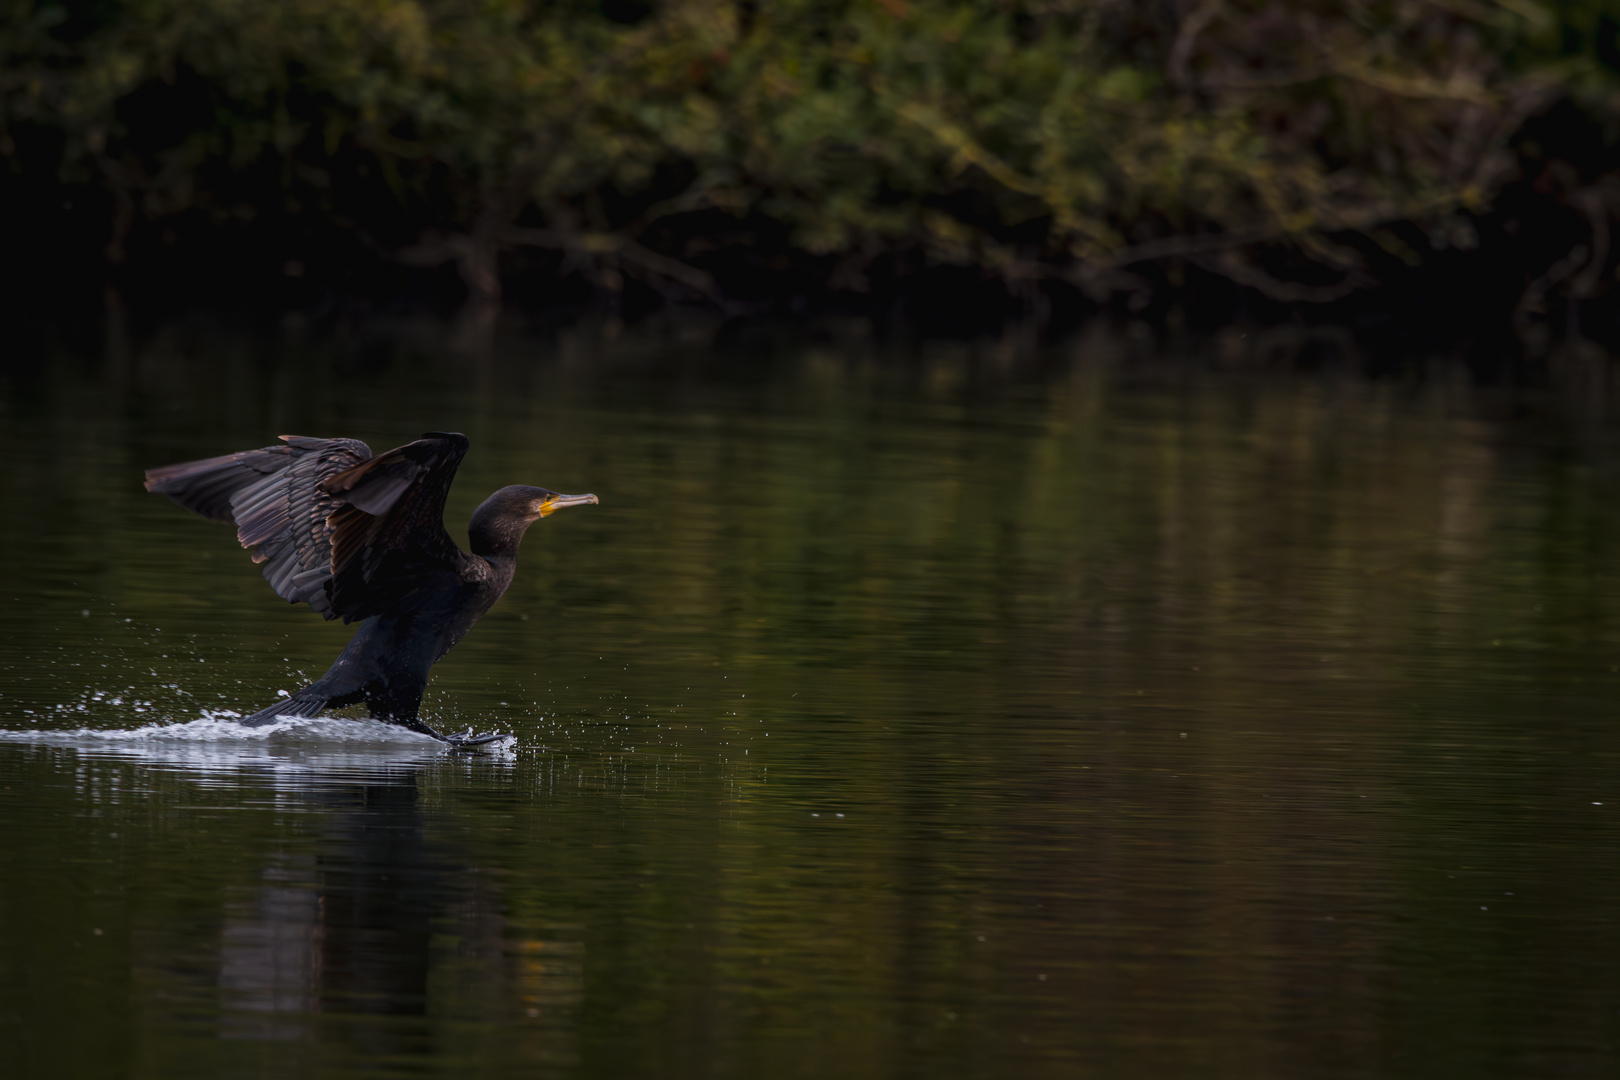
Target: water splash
222, 726
215, 740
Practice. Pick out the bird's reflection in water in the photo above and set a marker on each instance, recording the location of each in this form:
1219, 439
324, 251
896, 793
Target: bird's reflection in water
371, 920
348, 929
379, 893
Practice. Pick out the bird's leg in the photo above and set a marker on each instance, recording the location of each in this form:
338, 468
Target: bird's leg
398, 705
409, 723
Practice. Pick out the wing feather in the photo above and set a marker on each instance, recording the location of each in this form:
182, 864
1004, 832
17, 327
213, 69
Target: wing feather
274, 498
206, 486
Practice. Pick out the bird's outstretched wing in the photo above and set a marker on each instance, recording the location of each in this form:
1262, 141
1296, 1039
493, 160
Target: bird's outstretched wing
388, 539
349, 534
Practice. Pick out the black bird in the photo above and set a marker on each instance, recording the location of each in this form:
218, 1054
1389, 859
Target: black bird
358, 537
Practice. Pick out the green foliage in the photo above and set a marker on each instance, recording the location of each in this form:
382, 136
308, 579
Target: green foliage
1034, 138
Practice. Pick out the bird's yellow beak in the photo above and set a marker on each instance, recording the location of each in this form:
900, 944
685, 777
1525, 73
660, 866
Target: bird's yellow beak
562, 502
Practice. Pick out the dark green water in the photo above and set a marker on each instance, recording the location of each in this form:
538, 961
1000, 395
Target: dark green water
904, 710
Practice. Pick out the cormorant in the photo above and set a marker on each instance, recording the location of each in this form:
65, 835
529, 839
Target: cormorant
362, 538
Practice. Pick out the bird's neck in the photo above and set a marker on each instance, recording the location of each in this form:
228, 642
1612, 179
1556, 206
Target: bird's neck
502, 569
495, 537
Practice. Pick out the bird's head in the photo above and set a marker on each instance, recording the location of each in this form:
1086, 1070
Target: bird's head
499, 523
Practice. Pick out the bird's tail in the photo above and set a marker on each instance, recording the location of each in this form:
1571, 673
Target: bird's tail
307, 702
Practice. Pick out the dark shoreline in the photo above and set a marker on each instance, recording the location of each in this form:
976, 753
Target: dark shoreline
1477, 303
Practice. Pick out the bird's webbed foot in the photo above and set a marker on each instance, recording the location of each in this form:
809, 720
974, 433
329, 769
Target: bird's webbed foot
469, 738
464, 738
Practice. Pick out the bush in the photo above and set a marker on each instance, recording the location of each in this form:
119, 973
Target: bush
1295, 147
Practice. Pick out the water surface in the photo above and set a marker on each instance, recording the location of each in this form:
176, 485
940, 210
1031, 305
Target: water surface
905, 709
